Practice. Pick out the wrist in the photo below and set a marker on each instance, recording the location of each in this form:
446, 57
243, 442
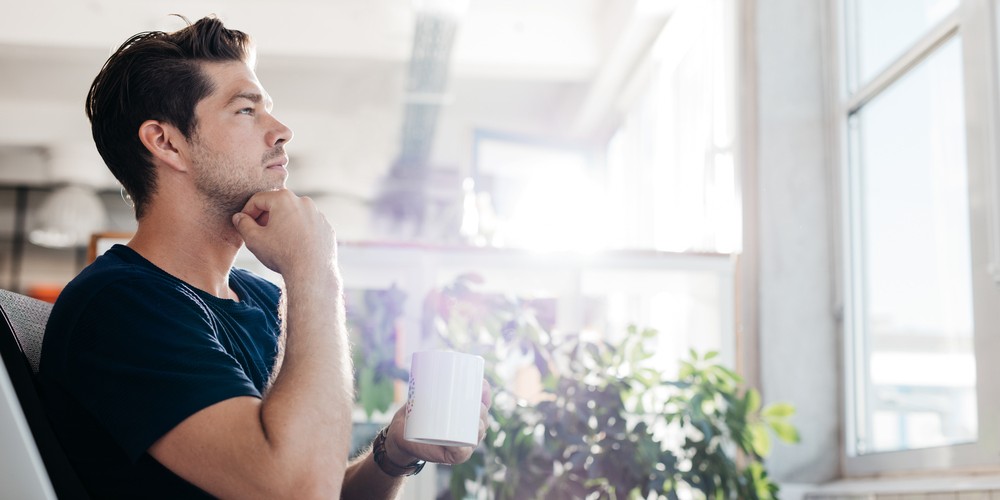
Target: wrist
322, 277
315, 287
396, 463
393, 451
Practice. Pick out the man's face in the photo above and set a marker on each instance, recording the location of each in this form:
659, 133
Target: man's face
237, 147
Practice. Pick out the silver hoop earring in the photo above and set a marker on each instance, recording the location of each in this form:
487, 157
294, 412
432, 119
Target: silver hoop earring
127, 198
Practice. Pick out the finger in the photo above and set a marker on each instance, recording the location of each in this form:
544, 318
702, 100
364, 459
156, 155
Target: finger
256, 206
244, 224
487, 395
263, 218
261, 203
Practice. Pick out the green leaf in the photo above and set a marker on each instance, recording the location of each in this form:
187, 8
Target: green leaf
686, 370
648, 377
778, 411
366, 390
760, 439
785, 431
729, 374
752, 401
710, 354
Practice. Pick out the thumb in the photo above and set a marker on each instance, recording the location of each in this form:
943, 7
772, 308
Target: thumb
243, 223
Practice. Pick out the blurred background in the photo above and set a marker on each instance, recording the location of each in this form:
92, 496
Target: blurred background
808, 188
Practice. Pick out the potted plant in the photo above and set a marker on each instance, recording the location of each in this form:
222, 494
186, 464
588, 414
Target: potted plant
603, 423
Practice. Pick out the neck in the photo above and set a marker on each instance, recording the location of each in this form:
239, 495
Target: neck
200, 253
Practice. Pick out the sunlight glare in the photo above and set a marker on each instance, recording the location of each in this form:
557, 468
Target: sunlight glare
560, 209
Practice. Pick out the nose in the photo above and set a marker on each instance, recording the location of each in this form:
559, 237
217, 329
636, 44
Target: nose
280, 133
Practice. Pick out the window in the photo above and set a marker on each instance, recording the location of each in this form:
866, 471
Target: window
534, 195
671, 181
671, 174
667, 195
920, 301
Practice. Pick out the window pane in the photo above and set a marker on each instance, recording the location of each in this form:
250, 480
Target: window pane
913, 305
881, 30
671, 173
518, 185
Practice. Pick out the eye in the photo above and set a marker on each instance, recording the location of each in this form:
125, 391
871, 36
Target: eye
245, 111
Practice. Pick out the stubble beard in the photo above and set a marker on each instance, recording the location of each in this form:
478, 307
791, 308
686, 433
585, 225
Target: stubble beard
219, 181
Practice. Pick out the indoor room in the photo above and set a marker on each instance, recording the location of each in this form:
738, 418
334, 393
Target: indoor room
704, 248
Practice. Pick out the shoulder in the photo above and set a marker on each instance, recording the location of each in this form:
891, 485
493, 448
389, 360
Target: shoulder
260, 288
120, 301
121, 286
119, 272
251, 279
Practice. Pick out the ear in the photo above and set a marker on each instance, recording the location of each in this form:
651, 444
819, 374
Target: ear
164, 142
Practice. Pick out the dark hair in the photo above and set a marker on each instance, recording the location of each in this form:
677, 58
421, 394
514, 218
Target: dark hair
155, 76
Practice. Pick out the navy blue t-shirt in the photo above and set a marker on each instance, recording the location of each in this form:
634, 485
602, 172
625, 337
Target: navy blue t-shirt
131, 351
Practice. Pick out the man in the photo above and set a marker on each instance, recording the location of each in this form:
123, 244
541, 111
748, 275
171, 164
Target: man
167, 372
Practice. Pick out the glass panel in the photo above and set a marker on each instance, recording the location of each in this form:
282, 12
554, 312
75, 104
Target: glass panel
686, 307
537, 196
916, 384
671, 174
881, 30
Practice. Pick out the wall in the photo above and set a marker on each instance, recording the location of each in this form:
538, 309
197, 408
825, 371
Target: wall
797, 336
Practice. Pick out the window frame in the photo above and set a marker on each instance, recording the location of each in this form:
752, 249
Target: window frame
976, 22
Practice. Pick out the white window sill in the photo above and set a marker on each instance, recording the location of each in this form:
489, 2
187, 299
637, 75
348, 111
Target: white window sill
917, 487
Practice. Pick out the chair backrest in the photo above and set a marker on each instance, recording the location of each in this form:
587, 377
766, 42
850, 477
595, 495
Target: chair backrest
27, 318
22, 326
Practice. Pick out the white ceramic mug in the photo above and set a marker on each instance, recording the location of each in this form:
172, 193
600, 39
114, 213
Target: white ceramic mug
444, 398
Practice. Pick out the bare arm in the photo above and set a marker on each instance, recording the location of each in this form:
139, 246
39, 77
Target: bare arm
294, 442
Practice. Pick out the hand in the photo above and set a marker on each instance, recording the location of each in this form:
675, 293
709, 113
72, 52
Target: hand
401, 451
286, 232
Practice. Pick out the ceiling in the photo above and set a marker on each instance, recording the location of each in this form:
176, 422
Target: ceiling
337, 71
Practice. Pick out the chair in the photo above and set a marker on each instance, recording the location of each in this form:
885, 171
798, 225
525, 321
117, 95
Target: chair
22, 325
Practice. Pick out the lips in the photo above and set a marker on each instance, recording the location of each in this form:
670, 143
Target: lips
275, 158
279, 164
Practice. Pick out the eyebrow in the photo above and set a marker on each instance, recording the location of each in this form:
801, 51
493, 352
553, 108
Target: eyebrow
250, 96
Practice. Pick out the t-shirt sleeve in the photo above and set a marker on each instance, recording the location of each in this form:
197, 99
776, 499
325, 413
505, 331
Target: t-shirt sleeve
146, 358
